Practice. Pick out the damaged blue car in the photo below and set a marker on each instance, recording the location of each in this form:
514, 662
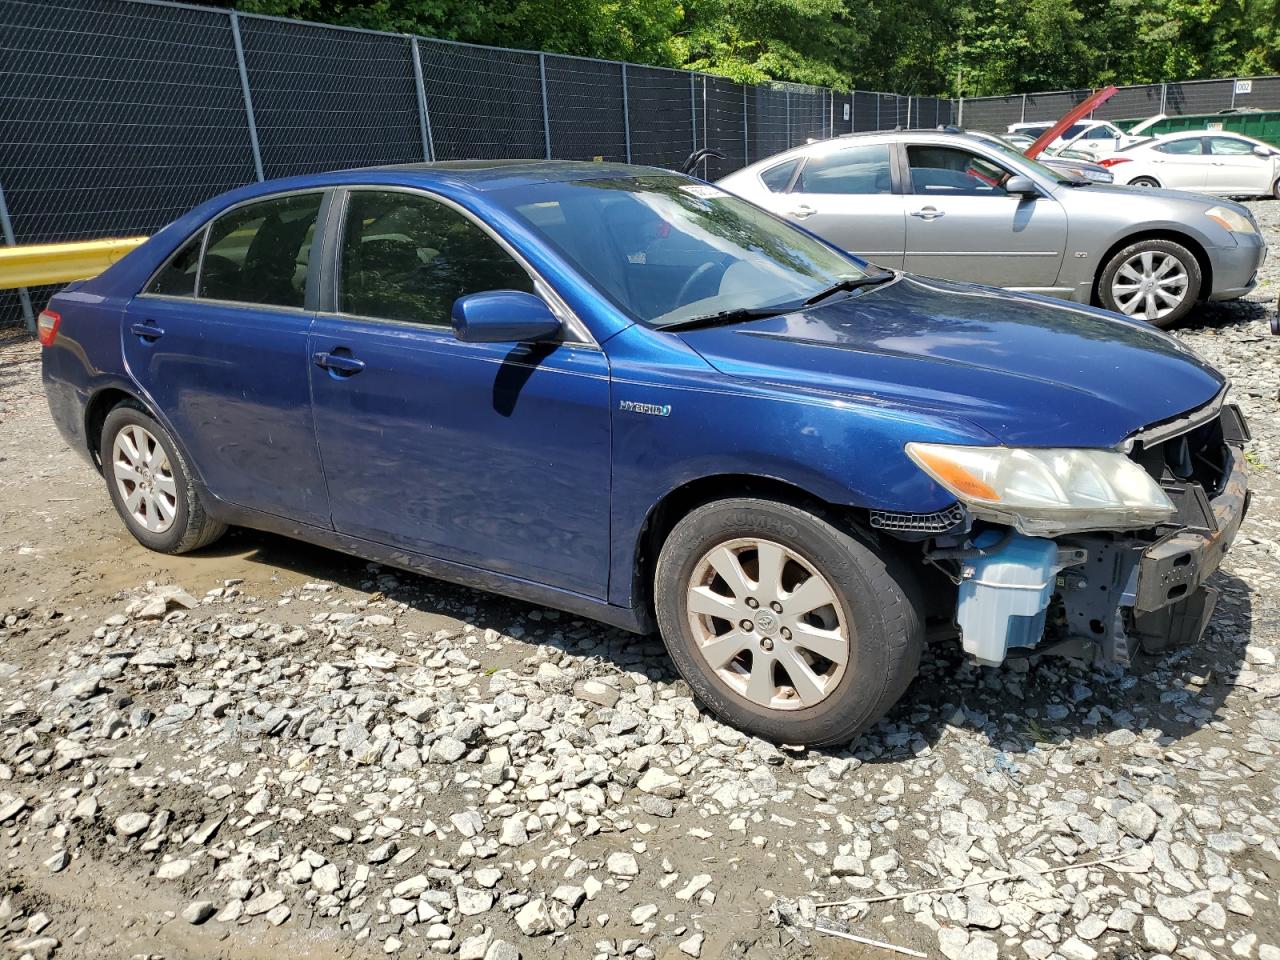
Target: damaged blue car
630, 395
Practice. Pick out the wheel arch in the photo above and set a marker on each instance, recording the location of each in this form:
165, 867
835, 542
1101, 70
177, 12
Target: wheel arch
102, 402
680, 501
1174, 236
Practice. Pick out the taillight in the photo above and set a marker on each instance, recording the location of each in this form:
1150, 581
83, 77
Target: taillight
47, 327
1112, 161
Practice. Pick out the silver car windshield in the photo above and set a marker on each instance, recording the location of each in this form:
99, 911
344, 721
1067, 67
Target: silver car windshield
667, 250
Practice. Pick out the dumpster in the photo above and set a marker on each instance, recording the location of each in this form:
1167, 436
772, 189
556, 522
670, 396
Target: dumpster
1262, 125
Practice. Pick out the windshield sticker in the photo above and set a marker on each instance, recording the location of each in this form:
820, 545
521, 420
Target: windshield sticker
703, 191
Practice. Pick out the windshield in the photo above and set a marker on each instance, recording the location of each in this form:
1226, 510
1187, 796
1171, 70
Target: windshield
666, 249
1046, 172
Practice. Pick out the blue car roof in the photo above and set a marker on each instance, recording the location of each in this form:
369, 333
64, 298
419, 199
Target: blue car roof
457, 176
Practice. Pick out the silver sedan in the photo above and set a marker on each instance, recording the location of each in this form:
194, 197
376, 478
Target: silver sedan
950, 205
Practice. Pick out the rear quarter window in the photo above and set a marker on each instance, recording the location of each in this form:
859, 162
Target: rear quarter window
778, 178
177, 278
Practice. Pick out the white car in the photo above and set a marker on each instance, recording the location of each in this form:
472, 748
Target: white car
1094, 137
1205, 161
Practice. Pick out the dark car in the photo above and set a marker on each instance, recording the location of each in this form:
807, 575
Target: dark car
627, 394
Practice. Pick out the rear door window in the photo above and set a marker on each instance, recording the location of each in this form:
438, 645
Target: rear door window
260, 252
408, 257
853, 170
1190, 145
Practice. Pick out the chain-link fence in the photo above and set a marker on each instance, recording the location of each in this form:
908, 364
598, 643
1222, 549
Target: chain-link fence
1135, 102
118, 115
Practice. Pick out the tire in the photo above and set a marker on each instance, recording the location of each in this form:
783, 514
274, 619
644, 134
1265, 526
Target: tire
1149, 182
1275, 189
1144, 260
874, 608
170, 517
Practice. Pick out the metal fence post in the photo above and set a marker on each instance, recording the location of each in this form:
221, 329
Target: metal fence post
1164, 96
706, 138
853, 120
878, 98
789, 141
1022, 117
248, 97
424, 118
960, 115
24, 298
546, 116
693, 114
626, 113
1233, 94
746, 138
908, 127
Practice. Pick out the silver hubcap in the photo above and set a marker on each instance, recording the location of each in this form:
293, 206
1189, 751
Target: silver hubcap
768, 624
1149, 285
144, 478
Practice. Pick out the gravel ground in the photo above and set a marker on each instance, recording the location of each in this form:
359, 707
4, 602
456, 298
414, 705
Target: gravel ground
268, 748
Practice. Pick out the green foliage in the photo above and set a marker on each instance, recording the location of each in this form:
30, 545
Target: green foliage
949, 47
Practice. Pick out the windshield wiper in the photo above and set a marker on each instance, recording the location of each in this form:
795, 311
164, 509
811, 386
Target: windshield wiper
852, 283
740, 315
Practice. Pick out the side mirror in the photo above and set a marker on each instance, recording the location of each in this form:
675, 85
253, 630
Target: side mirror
1021, 186
503, 316
1262, 151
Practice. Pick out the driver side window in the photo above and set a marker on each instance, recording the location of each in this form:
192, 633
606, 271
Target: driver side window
407, 257
951, 172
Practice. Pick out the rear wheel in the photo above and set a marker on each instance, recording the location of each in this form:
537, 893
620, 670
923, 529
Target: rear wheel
1153, 280
150, 484
1275, 189
783, 623
1144, 182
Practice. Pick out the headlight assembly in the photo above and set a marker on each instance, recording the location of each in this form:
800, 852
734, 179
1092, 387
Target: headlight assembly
1046, 492
1231, 220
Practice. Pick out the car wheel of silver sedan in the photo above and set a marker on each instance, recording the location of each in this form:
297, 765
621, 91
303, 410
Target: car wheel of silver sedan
1153, 280
783, 622
150, 484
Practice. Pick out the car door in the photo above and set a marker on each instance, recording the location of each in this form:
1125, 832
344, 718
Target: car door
492, 455
218, 340
846, 195
1180, 164
1234, 168
962, 225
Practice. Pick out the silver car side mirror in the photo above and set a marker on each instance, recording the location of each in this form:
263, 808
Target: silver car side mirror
1021, 186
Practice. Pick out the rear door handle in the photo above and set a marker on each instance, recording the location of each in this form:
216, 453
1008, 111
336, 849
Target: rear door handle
927, 213
147, 331
802, 211
337, 363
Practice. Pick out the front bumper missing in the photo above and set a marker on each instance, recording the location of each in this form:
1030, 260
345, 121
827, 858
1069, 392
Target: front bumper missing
1171, 603
1100, 594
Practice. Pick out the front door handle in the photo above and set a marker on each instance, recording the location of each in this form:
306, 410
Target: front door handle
338, 364
147, 331
927, 213
803, 211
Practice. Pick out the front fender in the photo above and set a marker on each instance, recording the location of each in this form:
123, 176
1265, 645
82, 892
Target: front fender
677, 421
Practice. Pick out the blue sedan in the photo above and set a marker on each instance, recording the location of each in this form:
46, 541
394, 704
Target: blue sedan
630, 395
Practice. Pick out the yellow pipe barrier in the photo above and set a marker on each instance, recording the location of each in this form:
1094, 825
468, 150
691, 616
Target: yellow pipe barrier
47, 263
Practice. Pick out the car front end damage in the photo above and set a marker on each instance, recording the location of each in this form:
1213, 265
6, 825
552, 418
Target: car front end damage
1024, 587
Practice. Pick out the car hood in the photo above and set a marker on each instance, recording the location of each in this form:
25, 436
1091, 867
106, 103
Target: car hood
1026, 369
1149, 194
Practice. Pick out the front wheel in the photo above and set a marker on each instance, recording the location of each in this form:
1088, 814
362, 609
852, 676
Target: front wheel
1153, 280
785, 624
150, 484
1149, 182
